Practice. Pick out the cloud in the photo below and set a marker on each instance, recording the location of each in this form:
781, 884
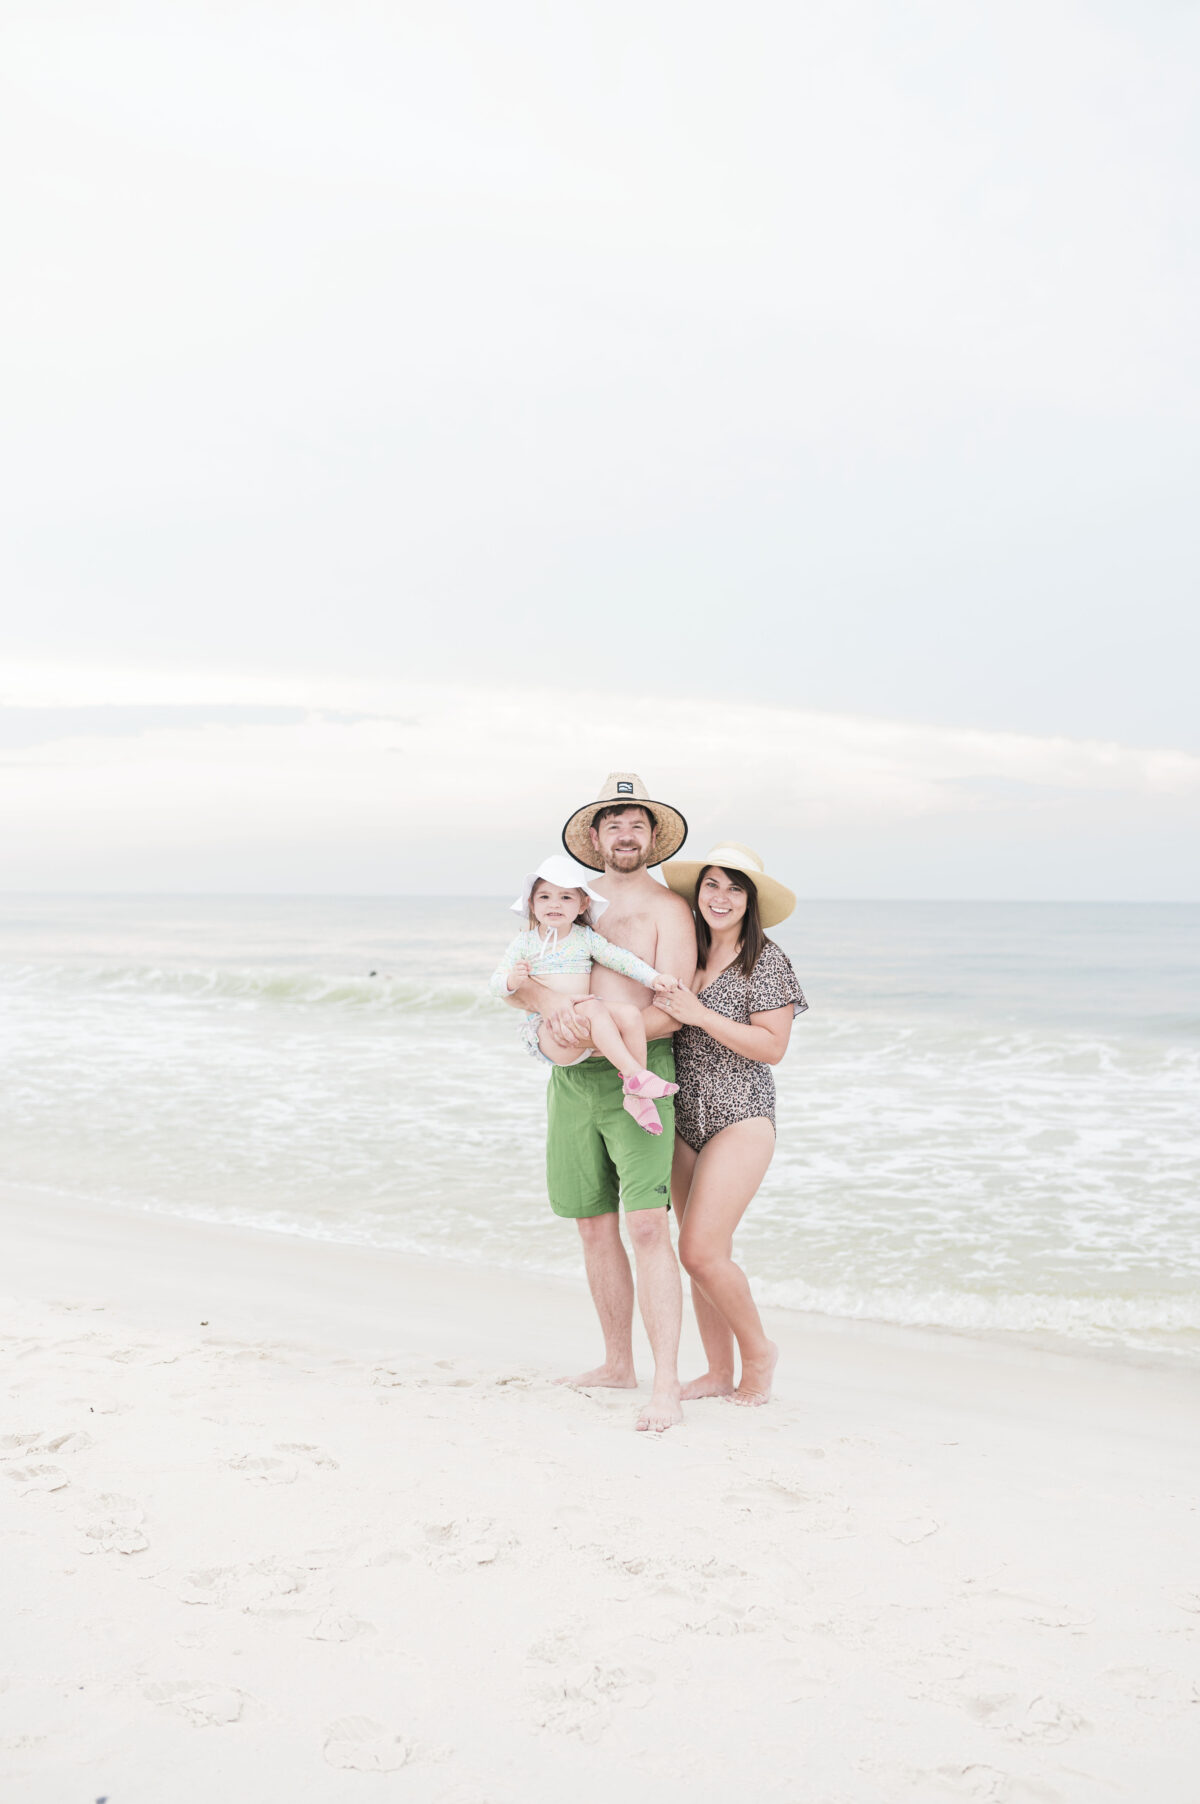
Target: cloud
171, 779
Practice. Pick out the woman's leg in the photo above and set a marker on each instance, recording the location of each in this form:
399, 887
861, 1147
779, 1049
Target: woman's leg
728, 1172
715, 1332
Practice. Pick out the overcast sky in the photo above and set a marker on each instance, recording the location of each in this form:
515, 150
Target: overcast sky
653, 378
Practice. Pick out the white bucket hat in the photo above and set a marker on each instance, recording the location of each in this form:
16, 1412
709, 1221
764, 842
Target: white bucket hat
563, 873
775, 900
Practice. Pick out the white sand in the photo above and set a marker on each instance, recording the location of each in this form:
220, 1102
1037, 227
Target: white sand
293, 1522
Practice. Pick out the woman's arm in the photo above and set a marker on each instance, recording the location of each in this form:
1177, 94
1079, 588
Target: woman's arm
764, 1038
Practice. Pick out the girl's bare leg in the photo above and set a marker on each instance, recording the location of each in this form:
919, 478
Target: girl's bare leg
715, 1332
556, 1053
727, 1173
619, 1044
616, 1030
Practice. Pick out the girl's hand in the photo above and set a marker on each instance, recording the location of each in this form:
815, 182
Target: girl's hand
516, 977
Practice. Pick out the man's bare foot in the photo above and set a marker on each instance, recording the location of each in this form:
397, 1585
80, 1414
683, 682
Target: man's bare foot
603, 1378
755, 1385
710, 1384
661, 1412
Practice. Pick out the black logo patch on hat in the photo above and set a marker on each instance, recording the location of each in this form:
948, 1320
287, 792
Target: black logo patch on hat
624, 789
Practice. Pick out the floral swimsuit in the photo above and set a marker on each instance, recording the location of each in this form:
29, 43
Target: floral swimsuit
573, 956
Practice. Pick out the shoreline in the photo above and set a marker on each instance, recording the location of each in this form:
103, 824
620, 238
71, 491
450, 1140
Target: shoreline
1016, 1340
289, 1518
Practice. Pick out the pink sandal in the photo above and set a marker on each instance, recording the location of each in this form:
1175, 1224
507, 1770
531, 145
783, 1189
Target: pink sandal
643, 1112
646, 1084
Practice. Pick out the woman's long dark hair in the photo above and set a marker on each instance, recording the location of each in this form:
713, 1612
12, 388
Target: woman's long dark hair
753, 938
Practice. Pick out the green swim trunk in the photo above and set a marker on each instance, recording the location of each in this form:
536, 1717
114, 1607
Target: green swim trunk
595, 1151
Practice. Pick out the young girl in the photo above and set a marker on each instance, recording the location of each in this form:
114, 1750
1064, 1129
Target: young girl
559, 948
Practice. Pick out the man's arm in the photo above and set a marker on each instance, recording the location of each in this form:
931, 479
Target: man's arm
676, 957
534, 997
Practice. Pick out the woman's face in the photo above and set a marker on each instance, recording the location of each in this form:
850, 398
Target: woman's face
721, 900
554, 907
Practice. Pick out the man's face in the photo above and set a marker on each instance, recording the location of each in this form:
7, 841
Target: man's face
625, 841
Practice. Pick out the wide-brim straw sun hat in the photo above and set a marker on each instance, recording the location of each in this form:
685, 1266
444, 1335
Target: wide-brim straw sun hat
775, 900
563, 873
623, 788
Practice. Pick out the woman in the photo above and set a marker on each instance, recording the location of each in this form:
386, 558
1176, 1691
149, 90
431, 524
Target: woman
735, 1023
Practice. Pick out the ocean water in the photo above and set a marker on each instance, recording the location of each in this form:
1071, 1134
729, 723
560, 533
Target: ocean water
989, 1119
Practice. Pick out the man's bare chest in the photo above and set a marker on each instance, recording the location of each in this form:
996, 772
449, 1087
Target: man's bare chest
635, 929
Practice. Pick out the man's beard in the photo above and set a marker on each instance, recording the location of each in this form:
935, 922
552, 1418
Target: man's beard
626, 860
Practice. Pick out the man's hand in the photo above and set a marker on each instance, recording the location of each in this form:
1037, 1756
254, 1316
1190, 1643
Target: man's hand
566, 1025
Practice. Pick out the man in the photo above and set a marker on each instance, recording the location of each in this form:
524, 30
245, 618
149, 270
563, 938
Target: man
595, 1153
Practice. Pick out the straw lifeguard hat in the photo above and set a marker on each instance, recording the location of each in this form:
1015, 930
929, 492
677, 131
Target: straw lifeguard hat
775, 900
623, 789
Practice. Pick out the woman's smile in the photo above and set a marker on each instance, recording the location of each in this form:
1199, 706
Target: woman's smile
722, 903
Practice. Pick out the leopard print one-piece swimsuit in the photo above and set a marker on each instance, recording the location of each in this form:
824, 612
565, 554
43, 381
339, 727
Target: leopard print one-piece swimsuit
716, 1086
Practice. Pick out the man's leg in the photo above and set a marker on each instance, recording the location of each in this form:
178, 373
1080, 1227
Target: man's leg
660, 1298
611, 1284
582, 1184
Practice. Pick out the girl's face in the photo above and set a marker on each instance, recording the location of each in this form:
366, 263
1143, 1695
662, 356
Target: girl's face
553, 907
721, 900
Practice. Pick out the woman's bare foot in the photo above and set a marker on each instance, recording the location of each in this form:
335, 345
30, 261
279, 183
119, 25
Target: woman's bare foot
709, 1384
755, 1385
644, 1113
662, 1412
603, 1378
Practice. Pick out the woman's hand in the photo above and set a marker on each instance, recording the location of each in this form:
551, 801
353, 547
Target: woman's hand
676, 1000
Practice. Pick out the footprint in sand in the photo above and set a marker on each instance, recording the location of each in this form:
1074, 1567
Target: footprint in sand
461, 1545
419, 1375
31, 1479
204, 1705
339, 1625
316, 1456
359, 1744
579, 1699
13, 1444
823, 1512
112, 1524
265, 1468
269, 1587
73, 1441
1039, 1719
